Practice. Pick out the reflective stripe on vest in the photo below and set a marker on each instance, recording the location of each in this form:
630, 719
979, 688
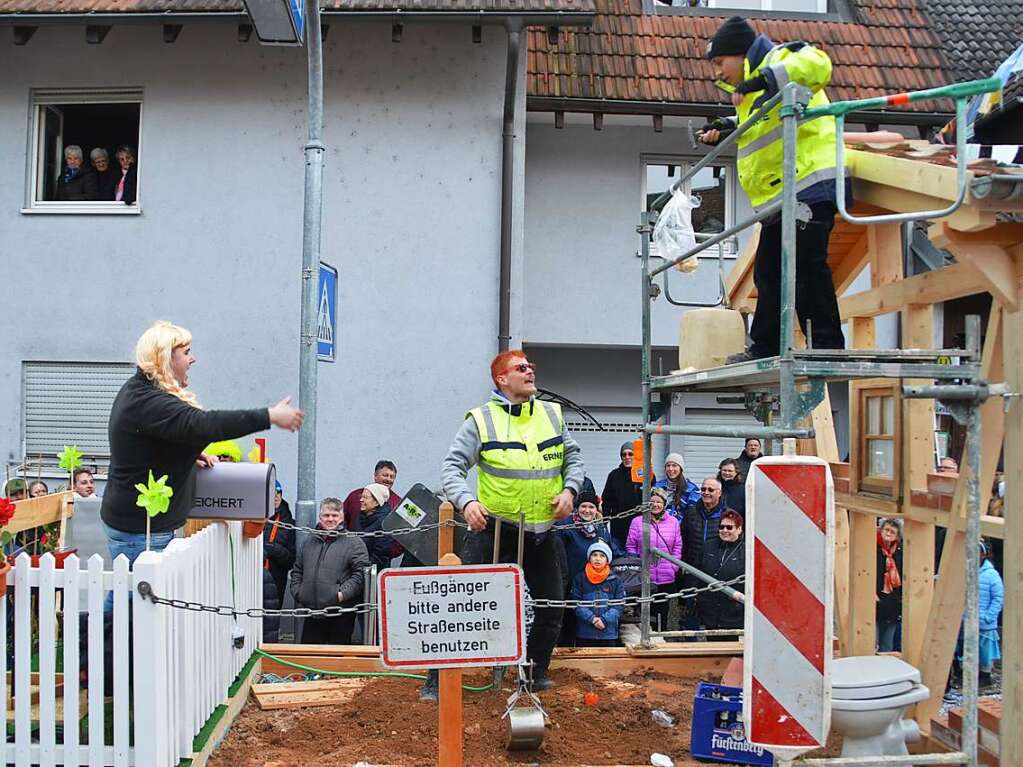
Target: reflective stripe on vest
760, 151
520, 463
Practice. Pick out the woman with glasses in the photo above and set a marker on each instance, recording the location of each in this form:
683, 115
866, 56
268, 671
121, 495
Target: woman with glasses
723, 559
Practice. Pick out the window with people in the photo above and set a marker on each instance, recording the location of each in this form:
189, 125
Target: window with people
85, 151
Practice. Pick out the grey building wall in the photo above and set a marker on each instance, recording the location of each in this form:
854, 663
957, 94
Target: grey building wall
411, 219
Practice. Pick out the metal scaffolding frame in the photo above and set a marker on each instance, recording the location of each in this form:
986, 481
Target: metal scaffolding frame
962, 392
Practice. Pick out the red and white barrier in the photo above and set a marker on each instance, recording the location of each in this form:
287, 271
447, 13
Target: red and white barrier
790, 563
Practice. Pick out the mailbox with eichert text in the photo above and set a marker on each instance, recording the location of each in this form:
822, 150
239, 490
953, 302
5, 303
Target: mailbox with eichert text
234, 491
450, 617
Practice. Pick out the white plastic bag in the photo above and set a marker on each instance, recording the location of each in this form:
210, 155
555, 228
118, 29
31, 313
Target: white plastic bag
673, 233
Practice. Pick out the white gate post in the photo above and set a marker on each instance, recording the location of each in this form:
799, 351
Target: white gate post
152, 712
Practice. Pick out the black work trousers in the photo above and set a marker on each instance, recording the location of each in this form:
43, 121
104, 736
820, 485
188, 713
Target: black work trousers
815, 291
543, 576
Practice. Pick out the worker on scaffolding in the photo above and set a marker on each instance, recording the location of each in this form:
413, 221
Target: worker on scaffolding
753, 69
529, 472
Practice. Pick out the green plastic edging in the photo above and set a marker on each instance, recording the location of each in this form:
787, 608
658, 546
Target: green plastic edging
202, 737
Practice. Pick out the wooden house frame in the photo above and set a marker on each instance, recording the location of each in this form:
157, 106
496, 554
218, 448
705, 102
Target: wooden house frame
988, 255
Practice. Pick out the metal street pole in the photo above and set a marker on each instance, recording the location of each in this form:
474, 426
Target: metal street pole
311, 218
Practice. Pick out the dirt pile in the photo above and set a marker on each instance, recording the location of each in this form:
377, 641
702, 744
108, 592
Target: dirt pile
386, 724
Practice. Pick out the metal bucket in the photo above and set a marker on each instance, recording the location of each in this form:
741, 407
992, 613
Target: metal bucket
525, 729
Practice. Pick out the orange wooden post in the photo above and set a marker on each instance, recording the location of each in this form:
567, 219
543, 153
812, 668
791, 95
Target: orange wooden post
449, 710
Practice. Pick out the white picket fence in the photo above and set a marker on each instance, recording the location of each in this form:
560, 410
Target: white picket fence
183, 661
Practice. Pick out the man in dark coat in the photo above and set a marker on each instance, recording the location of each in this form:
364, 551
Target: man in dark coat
700, 524
279, 543
327, 573
621, 494
750, 453
724, 559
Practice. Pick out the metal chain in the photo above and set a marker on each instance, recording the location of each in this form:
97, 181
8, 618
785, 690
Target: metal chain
400, 531
145, 590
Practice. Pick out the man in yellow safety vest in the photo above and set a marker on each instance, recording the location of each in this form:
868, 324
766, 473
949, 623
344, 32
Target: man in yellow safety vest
753, 69
529, 471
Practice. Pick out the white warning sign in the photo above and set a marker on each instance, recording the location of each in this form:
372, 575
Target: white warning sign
448, 617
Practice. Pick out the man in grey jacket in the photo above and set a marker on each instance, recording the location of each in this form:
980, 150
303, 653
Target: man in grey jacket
529, 465
327, 573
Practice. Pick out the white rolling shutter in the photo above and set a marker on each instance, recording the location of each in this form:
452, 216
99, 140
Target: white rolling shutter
68, 403
703, 454
600, 448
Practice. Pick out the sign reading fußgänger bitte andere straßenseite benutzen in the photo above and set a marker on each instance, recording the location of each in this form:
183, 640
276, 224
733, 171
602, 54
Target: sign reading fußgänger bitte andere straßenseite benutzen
447, 617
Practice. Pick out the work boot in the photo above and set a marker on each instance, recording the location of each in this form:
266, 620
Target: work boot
541, 682
430, 691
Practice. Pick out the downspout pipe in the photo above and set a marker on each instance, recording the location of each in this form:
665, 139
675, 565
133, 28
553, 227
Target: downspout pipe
511, 98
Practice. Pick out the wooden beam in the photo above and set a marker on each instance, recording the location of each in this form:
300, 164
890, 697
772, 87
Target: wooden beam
741, 274
1011, 730
917, 464
954, 281
849, 268
990, 527
950, 591
861, 503
991, 261
862, 528
36, 512
902, 173
884, 244
968, 218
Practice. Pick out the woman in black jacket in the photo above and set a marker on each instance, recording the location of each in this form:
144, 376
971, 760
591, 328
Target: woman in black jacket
889, 585
724, 559
157, 425
622, 494
733, 485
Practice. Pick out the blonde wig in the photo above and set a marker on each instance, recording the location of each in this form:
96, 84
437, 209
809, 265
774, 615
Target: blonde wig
153, 356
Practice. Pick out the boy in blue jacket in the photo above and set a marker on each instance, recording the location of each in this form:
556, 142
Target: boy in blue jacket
597, 626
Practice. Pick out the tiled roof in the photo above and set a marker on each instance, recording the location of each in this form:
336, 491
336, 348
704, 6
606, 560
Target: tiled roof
409, 7
977, 34
636, 56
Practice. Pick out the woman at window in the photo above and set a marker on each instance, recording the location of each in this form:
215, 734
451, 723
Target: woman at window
126, 188
157, 425
889, 584
78, 182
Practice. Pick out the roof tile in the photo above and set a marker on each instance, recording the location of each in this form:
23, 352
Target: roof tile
890, 47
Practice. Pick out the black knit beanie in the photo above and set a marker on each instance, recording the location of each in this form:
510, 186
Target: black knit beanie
733, 38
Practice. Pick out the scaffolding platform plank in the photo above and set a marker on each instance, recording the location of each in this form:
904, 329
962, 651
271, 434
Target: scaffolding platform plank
828, 364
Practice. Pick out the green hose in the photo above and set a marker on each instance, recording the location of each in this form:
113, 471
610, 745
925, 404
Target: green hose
399, 674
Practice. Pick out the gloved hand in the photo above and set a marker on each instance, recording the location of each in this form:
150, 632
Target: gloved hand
715, 131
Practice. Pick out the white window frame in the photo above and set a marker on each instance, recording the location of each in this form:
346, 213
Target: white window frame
767, 5
685, 164
39, 98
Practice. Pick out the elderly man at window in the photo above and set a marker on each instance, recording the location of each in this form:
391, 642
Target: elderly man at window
78, 182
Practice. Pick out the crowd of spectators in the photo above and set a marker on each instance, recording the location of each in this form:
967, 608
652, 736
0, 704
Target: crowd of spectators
99, 179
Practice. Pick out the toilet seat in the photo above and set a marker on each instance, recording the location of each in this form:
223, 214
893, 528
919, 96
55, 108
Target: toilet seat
863, 672
915, 695
872, 693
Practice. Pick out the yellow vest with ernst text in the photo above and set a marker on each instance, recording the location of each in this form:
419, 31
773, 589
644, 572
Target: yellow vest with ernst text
759, 150
520, 463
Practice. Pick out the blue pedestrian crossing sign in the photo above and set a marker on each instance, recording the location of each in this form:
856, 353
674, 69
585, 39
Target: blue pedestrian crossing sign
326, 317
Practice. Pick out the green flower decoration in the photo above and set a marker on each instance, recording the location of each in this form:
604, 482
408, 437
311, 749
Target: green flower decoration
70, 458
155, 496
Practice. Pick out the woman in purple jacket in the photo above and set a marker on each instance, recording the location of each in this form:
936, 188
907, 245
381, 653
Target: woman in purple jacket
666, 535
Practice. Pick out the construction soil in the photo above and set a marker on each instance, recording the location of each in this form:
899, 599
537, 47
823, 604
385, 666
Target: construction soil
386, 724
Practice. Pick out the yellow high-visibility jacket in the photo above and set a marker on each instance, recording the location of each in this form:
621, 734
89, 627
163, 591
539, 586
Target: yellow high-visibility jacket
759, 150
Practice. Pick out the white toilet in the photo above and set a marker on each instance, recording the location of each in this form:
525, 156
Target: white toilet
868, 697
